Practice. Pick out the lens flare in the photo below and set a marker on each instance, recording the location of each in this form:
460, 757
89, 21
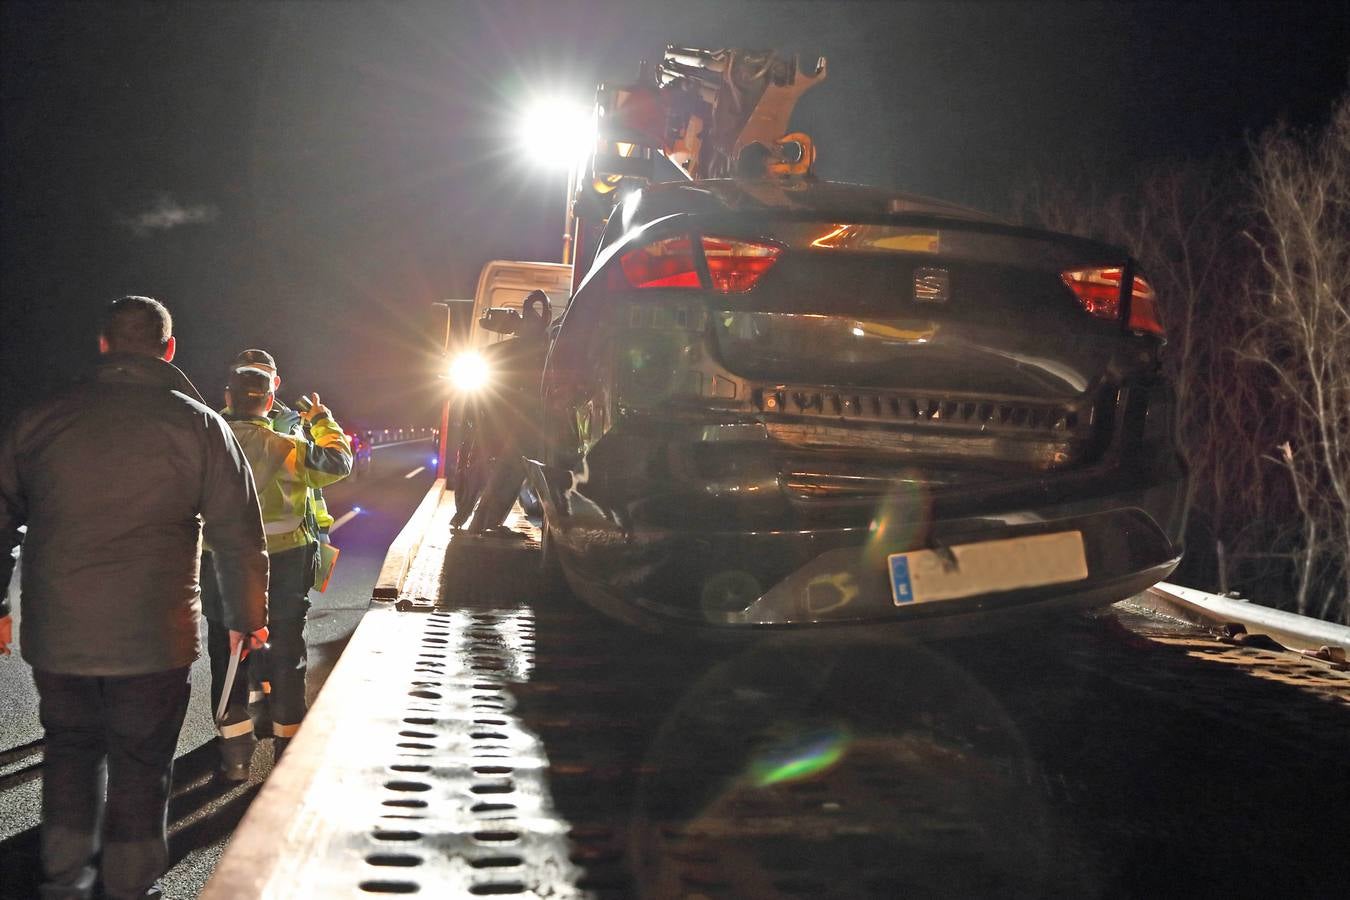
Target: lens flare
800, 757
902, 519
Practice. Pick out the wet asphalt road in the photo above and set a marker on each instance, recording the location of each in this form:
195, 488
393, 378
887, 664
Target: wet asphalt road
370, 510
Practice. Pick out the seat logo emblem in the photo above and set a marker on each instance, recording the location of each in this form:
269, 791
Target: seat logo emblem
932, 285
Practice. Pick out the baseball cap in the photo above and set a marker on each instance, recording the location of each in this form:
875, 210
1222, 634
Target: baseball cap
251, 381
258, 359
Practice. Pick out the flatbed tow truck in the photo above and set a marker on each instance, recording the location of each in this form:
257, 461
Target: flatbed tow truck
485, 734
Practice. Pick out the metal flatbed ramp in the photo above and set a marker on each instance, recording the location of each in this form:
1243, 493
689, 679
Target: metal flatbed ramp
411, 755
491, 741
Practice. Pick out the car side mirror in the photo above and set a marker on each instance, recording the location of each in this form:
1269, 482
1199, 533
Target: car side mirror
500, 320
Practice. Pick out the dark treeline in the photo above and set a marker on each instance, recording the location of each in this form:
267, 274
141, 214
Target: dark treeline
1250, 257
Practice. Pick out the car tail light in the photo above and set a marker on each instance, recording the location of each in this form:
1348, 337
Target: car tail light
1144, 309
1098, 290
735, 266
664, 263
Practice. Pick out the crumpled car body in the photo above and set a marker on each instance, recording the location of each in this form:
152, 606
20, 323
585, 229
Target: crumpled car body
783, 405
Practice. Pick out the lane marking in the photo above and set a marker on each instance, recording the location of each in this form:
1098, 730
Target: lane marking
343, 520
415, 472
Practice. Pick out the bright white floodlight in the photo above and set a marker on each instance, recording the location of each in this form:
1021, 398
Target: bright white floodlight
469, 372
557, 133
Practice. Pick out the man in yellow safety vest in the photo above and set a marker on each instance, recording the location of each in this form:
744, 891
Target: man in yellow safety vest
286, 468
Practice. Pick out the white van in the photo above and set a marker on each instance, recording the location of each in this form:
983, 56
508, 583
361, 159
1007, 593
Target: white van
502, 284
506, 283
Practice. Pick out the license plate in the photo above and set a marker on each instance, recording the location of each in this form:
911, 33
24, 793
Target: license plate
920, 576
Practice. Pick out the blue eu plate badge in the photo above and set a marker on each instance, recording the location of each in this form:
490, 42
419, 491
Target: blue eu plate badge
900, 585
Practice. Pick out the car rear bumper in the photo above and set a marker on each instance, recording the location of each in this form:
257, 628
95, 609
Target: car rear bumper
732, 578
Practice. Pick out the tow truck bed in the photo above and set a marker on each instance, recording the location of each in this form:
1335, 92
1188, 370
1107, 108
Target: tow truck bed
485, 739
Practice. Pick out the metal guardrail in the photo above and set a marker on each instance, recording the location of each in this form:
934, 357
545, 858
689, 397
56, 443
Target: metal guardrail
379, 437
1301, 633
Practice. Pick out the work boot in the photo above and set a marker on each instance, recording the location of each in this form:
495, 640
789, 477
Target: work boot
236, 754
279, 746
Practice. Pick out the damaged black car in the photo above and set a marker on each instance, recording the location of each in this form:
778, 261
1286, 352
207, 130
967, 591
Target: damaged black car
780, 404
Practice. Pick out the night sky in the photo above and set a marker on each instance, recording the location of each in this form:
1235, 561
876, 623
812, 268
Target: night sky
308, 177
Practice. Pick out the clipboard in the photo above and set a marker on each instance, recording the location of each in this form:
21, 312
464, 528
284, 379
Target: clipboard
323, 566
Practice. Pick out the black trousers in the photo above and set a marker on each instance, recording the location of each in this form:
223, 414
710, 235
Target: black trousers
106, 778
218, 651
282, 667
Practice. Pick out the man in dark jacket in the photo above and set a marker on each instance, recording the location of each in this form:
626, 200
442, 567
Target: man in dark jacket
117, 478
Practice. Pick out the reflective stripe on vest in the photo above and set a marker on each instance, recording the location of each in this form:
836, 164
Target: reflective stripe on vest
282, 526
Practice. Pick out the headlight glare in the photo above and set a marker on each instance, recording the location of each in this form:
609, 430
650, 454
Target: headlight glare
469, 371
